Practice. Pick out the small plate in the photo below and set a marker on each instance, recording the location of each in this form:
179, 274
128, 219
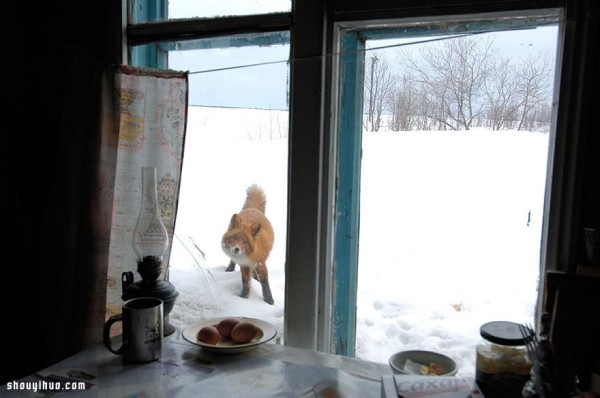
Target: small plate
264, 332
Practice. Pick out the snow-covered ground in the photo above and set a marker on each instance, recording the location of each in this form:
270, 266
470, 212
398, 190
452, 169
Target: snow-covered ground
449, 239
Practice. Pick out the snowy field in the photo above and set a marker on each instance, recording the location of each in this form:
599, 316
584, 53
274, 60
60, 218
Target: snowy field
450, 229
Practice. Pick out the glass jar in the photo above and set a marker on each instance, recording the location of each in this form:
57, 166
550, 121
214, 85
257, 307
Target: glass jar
502, 366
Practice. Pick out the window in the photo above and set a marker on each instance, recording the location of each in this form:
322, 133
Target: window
439, 180
237, 136
190, 8
327, 70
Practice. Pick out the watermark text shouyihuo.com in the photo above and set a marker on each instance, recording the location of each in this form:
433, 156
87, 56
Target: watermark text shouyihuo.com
44, 385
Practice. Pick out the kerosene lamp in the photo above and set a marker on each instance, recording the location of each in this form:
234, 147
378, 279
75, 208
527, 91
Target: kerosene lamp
150, 242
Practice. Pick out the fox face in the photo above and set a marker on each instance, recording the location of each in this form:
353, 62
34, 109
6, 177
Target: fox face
238, 242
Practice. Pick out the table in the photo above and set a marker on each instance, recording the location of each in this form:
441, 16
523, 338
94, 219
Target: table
186, 370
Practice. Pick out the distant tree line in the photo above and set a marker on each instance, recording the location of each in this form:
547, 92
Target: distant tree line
457, 84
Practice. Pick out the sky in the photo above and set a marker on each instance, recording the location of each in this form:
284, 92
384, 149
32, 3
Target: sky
431, 271
264, 86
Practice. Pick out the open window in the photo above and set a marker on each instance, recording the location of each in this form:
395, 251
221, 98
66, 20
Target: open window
237, 136
444, 130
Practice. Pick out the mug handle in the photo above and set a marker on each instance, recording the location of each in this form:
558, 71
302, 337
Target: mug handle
106, 334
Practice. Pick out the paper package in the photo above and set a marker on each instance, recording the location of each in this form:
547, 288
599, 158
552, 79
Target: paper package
414, 386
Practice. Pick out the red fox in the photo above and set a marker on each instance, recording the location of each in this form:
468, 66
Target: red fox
248, 242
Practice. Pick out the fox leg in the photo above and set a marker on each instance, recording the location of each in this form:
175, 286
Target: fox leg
246, 279
231, 266
263, 278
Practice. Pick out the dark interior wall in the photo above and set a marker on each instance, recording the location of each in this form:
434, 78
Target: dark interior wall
40, 48
591, 179
586, 84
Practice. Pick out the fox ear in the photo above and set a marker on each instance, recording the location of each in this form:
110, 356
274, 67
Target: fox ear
255, 228
235, 222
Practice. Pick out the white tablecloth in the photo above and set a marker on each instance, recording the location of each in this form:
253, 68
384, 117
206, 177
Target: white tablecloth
186, 370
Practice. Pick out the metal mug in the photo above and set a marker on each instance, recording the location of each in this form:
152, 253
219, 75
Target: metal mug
142, 319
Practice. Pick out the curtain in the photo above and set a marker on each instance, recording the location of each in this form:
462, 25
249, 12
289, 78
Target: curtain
148, 110
75, 135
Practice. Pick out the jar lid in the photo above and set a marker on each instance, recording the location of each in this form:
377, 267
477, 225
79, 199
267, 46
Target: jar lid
504, 333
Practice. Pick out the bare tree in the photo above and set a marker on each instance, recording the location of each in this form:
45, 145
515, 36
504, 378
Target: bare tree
404, 102
543, 117
534, 78
454, 72
502, 94
410, 102
460, 83
379, 83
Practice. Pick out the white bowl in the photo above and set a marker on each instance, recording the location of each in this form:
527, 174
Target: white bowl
422, 357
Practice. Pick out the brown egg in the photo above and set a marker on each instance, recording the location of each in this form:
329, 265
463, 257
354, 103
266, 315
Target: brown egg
243, 332
209, 335
225, 327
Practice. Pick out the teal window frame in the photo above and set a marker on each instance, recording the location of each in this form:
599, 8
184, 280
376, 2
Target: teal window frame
141, 11
352, 40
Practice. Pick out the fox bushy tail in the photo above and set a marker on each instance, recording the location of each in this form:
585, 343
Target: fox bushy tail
255, 198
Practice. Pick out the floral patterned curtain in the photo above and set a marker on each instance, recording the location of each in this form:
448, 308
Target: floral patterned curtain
148, 107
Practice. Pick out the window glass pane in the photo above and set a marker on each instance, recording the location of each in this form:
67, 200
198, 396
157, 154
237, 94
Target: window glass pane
237, 136
209, 9
450, 238
250, 76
